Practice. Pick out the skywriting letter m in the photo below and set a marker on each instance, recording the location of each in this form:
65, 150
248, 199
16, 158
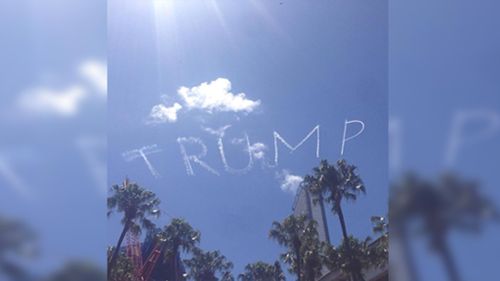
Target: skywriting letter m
277, 137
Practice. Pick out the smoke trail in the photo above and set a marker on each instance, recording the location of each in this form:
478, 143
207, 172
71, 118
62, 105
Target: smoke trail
195, 158
142, 153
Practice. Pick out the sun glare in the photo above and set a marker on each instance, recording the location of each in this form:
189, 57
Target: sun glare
162, 6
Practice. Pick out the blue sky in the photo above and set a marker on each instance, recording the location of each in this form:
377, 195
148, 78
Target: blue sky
444, 64
307, 64
319, 62
52, 153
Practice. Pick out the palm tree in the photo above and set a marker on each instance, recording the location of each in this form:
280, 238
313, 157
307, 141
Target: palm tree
351, 257
178, 235
209, 266
261, 271
441, 206
381, 227
16, 240
449, 204
299, 235
78, 271
136, 204
333, 184
123, 269
403, 201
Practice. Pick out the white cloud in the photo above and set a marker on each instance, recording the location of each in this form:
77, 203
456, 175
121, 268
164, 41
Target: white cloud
216, 96
289, 182
65, 101
258, 150
96, 73
217, 132
162, 114
237, 140
43, 100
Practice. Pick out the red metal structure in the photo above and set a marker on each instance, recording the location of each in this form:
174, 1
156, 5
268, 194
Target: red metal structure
134, 253
151, 261
142, 271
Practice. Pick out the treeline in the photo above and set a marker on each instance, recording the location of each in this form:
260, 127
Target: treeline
429, 209
304, 255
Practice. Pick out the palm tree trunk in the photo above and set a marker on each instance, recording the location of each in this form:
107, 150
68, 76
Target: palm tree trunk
449, 263
175, 266
340, 214
323, 215
360, 277
408, 257
114, 256
299, 266
176, 262
356, 276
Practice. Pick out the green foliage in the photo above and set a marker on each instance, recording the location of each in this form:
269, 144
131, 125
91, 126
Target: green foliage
16, 240
352, 256
261, 271
333, 183
439, 207
450, 203
179, 235
209, 266
300, 237
381, 227
80, 271
123, 269
305, 255
136, 203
